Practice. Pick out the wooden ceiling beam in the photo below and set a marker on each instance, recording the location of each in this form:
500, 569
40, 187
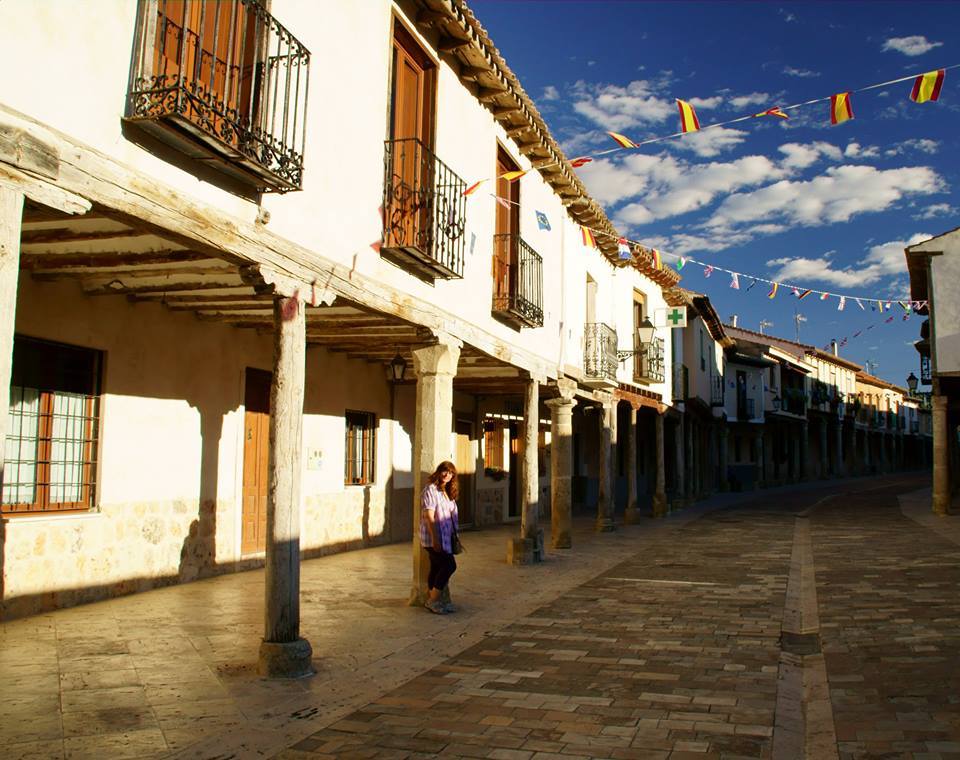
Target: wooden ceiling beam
69, 235
450, 44
38, 261
117, 288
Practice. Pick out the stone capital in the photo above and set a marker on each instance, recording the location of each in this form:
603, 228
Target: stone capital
565, 387
439, 358
605, 399
558, 405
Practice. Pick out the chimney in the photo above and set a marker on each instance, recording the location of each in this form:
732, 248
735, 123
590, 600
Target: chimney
836, 349
733, 320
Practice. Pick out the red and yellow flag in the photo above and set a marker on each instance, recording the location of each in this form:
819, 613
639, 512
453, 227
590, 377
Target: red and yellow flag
473, 188
927, 86
576, 163
688, 117
840, 108
657, 260
511, 176
622, 140
774, 287
775, 111
589, 239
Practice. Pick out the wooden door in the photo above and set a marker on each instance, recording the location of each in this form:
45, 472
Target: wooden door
256, 458
466, 463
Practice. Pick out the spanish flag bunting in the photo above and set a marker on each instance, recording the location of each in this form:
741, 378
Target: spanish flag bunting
622, 140
927, 86
657, 261
473, 188
623, 248
840, 108
578, 162
589, 239
688, 117
803, 295
511, 176
774, 287
775, 111
735, 281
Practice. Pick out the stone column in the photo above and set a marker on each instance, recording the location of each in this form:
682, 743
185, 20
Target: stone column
882, 440
608, 438
797, 443
866, 452
435, 367
724, 453
11, 213
660, 485
757, 443
838, 466
283, 653
561, 466
631, 515
824, 449
805, 450
681, 468
529, 547
941, 457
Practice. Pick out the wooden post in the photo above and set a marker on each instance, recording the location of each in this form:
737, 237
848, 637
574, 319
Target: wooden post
608, 422
283, 653
681, 465
722, 455
561, 465
11, 214
631, 515
528, 547
435, 367
660, 488
941, 457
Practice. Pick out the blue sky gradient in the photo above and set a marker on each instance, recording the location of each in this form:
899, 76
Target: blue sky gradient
821, 206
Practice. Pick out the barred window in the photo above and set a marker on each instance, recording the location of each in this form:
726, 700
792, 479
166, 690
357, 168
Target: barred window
493, 444
50, 453
361, 447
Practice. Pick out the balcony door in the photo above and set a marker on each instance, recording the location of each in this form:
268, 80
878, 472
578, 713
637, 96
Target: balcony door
506, 234
411, 135
639, 312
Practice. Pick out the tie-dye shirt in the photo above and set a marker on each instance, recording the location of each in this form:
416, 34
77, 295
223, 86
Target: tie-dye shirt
444, 515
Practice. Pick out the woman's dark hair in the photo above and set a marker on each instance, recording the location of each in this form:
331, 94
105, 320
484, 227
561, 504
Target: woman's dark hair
452, 488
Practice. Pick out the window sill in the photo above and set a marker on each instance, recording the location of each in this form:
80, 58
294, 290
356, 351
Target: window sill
58, 516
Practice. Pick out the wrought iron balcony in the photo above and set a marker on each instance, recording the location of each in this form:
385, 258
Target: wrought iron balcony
717, 395
424, 212
517, 282
681, 382
746, 409
600, 354
926, 370
648, 361
224, 85
915, 427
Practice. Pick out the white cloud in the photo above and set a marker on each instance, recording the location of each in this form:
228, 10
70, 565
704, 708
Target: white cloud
802, 155
617, 108
856, 150
881, 261
937, 209
920, 144
835, 196
708, 143
706, 104
790, 71
754, 98
550, 93
914, 45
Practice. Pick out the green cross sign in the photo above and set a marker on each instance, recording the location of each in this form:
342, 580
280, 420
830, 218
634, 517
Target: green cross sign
676, 317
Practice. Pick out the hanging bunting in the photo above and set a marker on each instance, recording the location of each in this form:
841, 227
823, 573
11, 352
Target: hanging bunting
843, 303
543, 222
622, 140
589, 239
927, 86
688, 117
888, 320
804, 294
514, 175
503, 202
623, 248
473, 188
773, 290
707, 271
755, 281
681, 263
840, 108
880, 306
860, 304
657, 260
775, 111
824, 296
734, 281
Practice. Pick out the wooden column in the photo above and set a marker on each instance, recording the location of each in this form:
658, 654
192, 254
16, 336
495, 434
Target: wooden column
631, 514
435, 367
660, 486
838, 465
941, 457
681, 468
824, 449
608, 424
529, 547
804, 450
561, 465
11, 213
723, 453
283, 653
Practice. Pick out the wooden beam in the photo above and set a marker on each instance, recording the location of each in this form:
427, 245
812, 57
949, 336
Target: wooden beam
39, 261
516, 131
489, 94
67, 235
430, 18
474, 72
130, 275
499, 113
39, 191
449, 44
233, 292
118, 288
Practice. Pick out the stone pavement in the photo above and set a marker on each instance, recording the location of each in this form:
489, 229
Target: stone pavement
660, 640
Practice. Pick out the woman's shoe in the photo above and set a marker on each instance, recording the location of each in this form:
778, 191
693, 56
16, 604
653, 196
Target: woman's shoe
448, 607
435, 607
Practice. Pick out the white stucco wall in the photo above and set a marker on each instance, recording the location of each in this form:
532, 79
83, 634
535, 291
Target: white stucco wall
946, 305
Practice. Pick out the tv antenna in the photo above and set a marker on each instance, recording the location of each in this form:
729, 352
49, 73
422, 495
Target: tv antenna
797, 319
764, 324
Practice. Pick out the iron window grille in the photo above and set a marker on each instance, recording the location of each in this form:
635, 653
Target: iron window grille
223, 82
600, 351
716, 390
361, 447
493, 445
424, 211
517, 281
50, 452
648, 360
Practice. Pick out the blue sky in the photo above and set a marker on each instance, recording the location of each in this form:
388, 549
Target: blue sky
821, 206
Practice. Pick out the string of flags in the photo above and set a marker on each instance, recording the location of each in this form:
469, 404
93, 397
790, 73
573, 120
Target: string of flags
907, 306
926, 88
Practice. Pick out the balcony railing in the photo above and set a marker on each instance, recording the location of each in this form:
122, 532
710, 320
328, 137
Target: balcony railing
424, 212
517, 281
794, 401
915, 426
745, 409
600, 352
224, 84
681, 380
648, 361
717, 395
926, 369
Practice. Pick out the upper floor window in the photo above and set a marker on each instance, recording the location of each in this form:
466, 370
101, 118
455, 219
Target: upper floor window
50, 453
223, 85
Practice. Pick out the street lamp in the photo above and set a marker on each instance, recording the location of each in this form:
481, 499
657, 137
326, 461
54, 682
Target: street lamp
396, 369
912, 383
777, 402
645, 333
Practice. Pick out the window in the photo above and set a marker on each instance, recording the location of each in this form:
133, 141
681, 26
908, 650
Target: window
50, 454
703, 352
361, 446
493, 444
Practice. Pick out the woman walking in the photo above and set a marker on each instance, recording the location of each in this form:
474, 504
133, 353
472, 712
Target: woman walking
438, 528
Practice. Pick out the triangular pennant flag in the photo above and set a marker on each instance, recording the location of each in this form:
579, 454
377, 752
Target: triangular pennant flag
503, 202
473, 188
622, 140
880, 306
927, 86
755, 281
688, 117
623, 248
775, 111
657, 260
795, 291
543, 222
804, 294
843, 303
824, 296
860, 304
589, 239
857, 333
514, 175
580, 161
840, 108
734, 281
707, 271
773, 291
888, 320
681, 263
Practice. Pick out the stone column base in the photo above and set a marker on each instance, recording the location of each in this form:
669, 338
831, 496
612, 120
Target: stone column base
561, 541
285, 659
631, 516
525, 551
659, 505
605, 525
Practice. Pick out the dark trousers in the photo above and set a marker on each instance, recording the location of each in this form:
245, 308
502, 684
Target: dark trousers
442, 566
